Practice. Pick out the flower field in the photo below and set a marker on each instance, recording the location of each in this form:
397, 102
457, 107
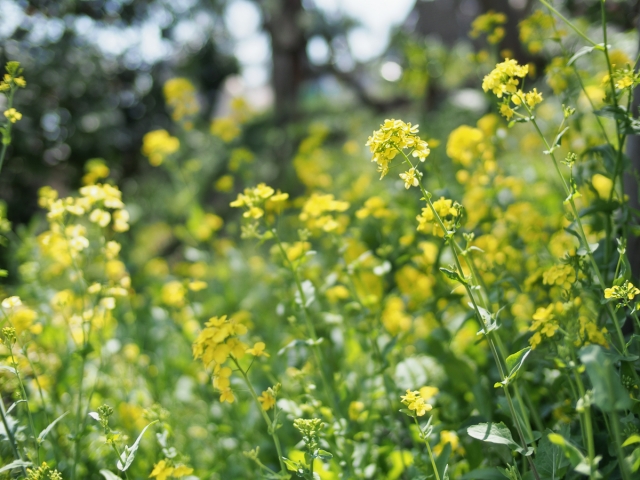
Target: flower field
450, 300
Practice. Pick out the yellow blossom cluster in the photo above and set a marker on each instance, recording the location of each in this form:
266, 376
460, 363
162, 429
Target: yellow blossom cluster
167, 469
13, 78
490, 23
95, 169
374, 207
225, 128
102, 202
316, 212
416, 403
157, 145
253, 200
267, 399
394, 316
180, 95
392, 138
544, 323
12, 115
623, 78
216, 343
561, 275
448, 211
503, 82
535, 29
625, 292
466, 144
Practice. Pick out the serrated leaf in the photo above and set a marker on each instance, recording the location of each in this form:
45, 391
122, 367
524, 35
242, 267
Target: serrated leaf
15, 464
452, 274
46, 431
129, 454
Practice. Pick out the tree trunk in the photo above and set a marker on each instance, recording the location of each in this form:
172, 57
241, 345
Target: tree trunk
289, 54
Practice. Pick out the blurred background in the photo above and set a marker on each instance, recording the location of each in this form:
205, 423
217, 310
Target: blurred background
96, 70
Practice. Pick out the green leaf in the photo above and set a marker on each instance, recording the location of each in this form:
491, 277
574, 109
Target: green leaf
550, 460
608, 392
634, 460
324, 455
129, 453
452, 274
15, 464
293, 466
578, 461
584, 51
46, 431
495, 433
515, 361
108, 475
635, 438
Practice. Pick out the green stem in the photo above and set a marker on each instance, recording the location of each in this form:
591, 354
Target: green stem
568, 22
624, 468
29, 416
426, 442
6, 138
587, 420
488, 334
270, 426
583, 236
115, 449
10, 437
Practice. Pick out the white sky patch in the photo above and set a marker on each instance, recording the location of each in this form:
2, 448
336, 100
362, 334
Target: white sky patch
12, 16
242, 18
318, 50
391, 71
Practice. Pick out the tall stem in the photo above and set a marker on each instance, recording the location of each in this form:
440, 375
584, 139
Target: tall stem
455, 248
10, 437
426, 442
581, 233
270, 425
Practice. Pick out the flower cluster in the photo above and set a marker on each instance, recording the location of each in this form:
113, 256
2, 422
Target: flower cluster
544, 323
503, 82
393, 137
490, 23
316, 212
416, 403
13, 78
166, 468
43, 472
103, 203
535, 29
157, 145
180, 95
216, 343
253, 200
625, 292
561, 275
448, 211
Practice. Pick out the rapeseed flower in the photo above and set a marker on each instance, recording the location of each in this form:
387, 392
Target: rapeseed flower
393, 137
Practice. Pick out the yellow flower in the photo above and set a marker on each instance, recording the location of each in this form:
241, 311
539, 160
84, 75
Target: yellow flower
173, 293
258, 350
503, 79
182, 471
158, 145
227, 396
12, 115
489, 23
465, 144
393, 137
226, 129
627, 291
197, 285
101, 217
180, 95
411, 178
161, 470
267, 400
